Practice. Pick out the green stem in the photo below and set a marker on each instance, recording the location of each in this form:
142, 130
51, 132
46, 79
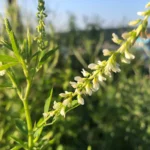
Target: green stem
28, 115
29, 124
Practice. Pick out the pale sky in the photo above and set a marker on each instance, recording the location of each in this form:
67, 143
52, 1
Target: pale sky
113, 12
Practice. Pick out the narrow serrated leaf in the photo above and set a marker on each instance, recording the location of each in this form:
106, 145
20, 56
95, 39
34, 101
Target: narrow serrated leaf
48, 101
16, 147
20, 142
7, 58
47, 55
6, 66
35, 54
13, 40
6, 44
14, 45
6, 86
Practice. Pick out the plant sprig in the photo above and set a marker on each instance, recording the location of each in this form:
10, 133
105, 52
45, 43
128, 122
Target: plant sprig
100, 71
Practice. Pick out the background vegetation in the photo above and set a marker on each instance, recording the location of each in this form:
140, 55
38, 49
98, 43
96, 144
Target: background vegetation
117, 117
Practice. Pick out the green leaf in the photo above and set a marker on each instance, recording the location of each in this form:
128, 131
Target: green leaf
20, 142
37, 134
7, 58
35, 54
38, 129
21, 126
6, 44
6, 66
16, 147
48, 101
6, 86
40, 122
80, 58
14, 44
47, 55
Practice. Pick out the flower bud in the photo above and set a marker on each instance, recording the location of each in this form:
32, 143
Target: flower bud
92, 66
73, 84
129, 55
125, 35
141, 13
62, 111
85, 73
135, 22
106, 52
80, 100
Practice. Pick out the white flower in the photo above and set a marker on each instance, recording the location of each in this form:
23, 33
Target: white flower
111, 66
78, 79
106, 52
115, 36
85, 73
115, 39
101, 78
77, 91
129, 55
51, 113
45, 115
134, 22
101, 63
88, 89
65, 94
125, 60
62, 111
115, 68
95, 84
92, 66
56, 105
73, 84
62, 94
2, 72
66, 102
107, 71
125, 35
80, 100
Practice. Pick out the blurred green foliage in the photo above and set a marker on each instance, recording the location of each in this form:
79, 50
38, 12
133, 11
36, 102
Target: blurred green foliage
117, 117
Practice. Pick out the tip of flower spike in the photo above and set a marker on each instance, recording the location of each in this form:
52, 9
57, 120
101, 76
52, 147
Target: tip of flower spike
147, 5
141, 13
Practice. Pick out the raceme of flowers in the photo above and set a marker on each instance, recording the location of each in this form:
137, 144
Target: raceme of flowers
98, 72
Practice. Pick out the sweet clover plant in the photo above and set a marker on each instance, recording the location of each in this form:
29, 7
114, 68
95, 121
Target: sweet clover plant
29, 62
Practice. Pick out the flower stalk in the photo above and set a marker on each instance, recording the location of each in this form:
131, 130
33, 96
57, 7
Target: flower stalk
91, 80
